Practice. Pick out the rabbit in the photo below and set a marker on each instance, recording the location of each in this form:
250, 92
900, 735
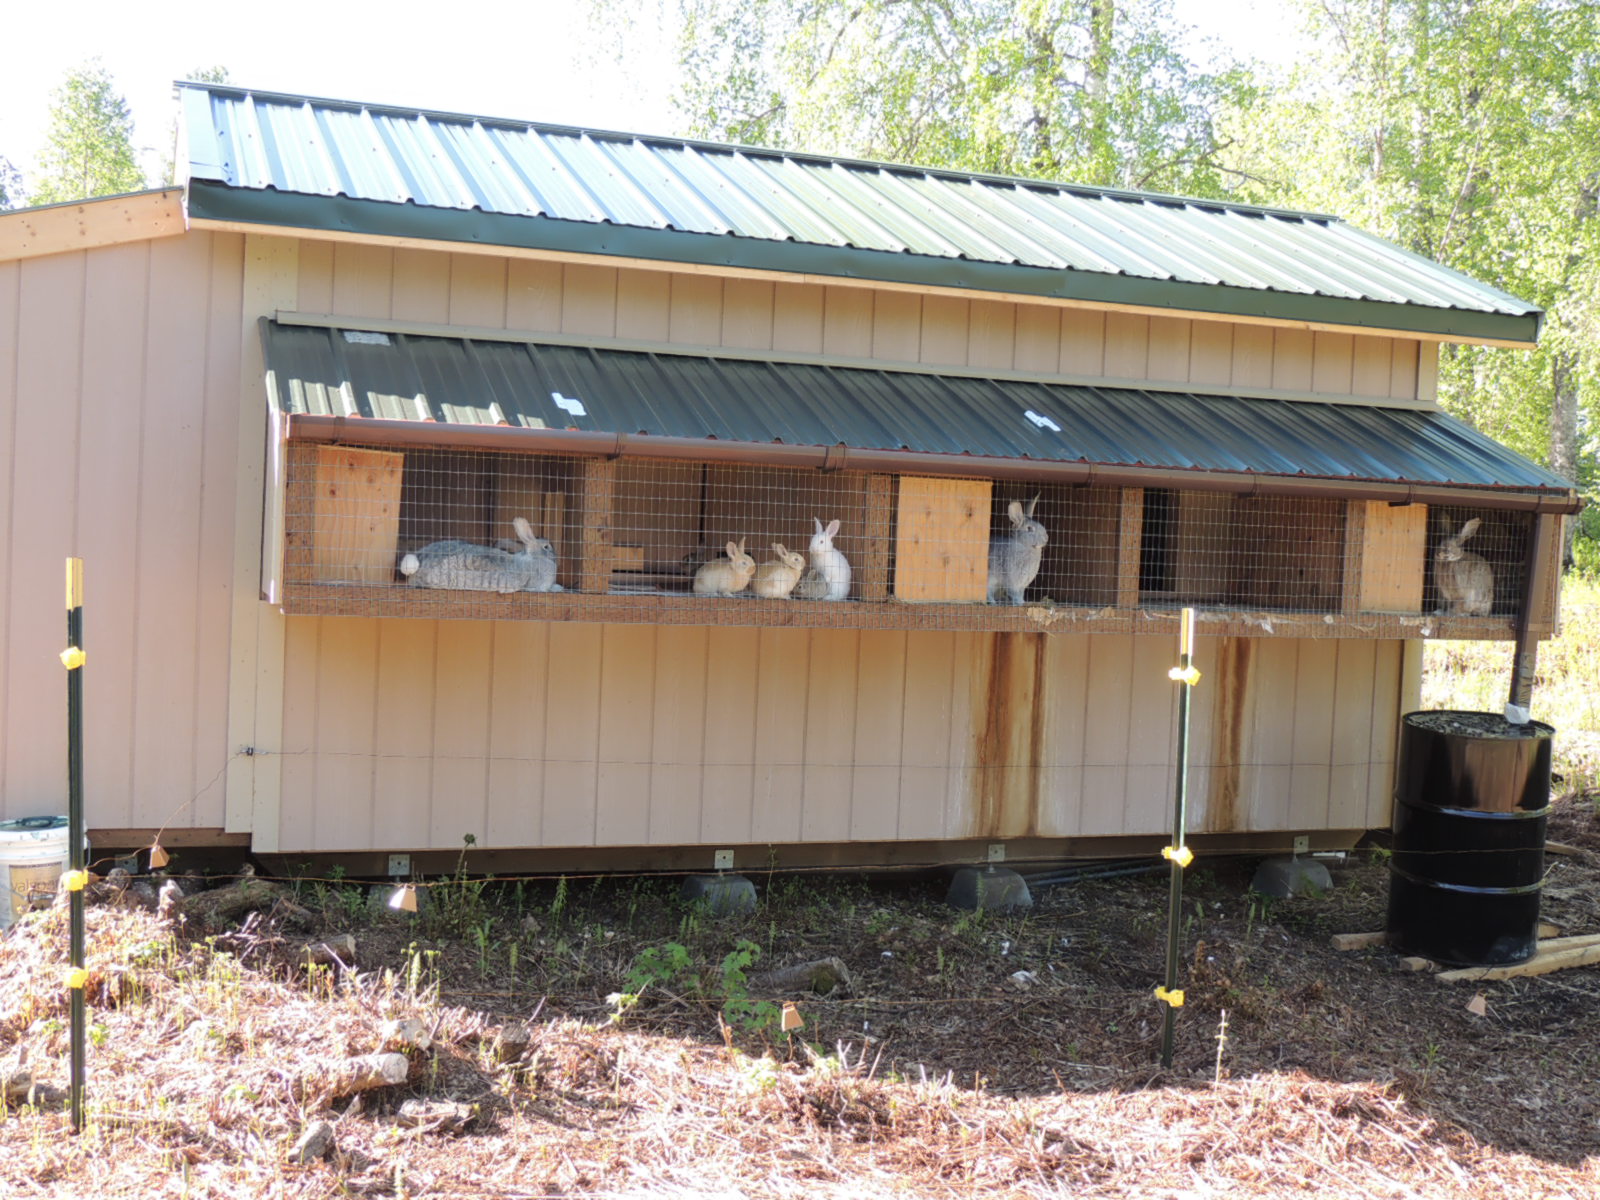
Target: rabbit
545, 563
725, 576
1465, 581
466, 566
775, 580
1014, 563
829, 576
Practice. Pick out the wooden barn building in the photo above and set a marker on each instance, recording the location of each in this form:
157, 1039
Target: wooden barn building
587, 362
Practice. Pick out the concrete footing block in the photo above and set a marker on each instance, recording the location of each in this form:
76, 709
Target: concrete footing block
1283, 877
721, 894
989, 889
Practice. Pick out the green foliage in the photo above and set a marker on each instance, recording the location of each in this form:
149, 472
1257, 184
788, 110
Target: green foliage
10, 185
89, 147
1093, 91
671, 964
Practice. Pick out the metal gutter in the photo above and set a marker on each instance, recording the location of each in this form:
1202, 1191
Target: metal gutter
209, 201
367, 431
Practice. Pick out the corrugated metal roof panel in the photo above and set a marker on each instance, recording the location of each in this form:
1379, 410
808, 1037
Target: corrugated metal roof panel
271, 148
468, 381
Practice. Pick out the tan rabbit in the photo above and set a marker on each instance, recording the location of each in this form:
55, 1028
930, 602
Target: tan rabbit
726, 576
775, 580
1465, 581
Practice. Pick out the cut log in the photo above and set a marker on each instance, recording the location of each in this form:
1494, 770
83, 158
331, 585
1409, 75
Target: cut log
336, 951
15, 1083
1359, 941
512, 1042
437, 1116
314, 1143
332, 1080
821, 977
406, 1033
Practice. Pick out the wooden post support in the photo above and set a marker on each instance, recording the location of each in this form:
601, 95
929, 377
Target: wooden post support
1130, 537
872, 569
596, 492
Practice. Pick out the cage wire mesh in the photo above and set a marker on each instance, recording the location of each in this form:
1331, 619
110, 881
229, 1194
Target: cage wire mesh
471, 533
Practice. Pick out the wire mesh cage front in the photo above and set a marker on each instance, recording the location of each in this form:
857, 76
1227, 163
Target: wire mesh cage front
472, 533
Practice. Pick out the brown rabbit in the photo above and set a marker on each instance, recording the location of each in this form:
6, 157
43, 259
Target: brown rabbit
1465, 581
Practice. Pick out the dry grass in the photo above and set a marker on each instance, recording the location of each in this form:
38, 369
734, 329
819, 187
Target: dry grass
207, 1054
1566, 686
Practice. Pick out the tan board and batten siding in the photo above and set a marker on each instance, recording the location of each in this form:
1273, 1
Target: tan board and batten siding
119, 410
408, 734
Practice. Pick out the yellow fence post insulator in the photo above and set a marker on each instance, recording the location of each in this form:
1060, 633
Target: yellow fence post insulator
72, 658
75, 978
1170, 996
1181, 855
74, 881
1189, 675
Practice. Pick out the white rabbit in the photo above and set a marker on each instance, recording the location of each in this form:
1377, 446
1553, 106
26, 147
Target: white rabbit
725, 576
1465, 581
775, 580
829, 576
1014, 562
466, 566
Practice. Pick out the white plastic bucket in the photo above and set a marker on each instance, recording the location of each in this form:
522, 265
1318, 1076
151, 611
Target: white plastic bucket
33, 853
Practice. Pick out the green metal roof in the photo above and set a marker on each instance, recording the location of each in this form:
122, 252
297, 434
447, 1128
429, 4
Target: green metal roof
456, 381
302, 162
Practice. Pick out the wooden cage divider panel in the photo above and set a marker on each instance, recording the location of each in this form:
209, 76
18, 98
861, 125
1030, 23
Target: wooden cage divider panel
1385, 553
941, 547
872, 571
342, 513
1130, 536
596, 487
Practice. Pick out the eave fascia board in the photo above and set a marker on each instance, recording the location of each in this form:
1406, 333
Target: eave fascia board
343, 215
90, 224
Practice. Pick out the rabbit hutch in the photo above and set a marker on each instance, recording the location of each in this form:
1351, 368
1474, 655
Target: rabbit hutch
614, 501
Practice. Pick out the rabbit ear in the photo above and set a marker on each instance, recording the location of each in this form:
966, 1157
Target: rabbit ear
524, 530
817, 523
1467, 530
733, 550
833, 527
1014, 509
779, 550
1032, 504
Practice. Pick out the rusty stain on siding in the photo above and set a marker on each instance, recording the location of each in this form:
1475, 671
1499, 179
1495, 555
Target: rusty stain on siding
1227, 732
1008, 734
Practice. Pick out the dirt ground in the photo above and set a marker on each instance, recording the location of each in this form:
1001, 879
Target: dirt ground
968, 1053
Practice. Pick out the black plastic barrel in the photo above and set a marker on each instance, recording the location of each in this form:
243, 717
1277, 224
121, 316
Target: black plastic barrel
1471, 801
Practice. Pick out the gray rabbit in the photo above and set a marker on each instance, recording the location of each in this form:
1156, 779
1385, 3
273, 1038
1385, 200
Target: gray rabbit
467, 566
1014, 562
1465, 581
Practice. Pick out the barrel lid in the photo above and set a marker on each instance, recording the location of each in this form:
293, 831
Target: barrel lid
25, 829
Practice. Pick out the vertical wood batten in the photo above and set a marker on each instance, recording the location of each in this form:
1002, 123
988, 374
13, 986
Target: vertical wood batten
403, 773
219, 425
460, 734
517, 721
1316, 686
782, 700
296, 753
270, 272
726, 805
348, 816
831, 707
10, 351
169, 504
1108, 697
880, 720
628, 685
683, 657
46, 420
1352, 746
1269, 753
113, 352
420, 286
572, 736
925, 739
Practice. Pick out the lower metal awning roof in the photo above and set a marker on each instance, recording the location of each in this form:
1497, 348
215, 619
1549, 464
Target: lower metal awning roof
353, 385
